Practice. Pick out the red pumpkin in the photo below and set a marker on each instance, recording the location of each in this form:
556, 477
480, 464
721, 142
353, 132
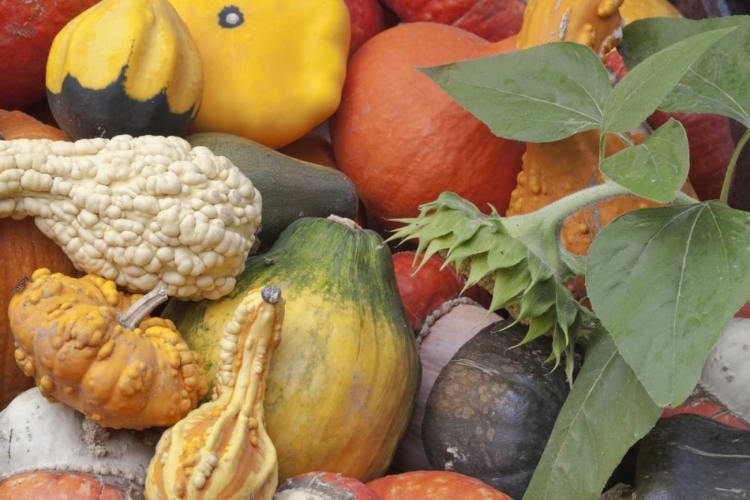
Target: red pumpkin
325, 486
493, 20
709, 138
427, 288
25, 40
434, 485
705, 407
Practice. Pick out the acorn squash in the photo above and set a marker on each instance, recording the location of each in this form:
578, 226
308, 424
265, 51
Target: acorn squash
343, 382
493, 406
124, 67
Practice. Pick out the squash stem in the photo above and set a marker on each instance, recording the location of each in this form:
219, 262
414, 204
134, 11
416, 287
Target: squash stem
732, 166
142, 307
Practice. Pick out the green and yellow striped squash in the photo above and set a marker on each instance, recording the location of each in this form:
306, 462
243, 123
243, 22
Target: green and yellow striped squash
343, 382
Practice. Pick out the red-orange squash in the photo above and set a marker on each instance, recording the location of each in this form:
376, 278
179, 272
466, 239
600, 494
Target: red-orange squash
402, 140
25, 249
493, 20
434, 485
26, 33
60, 486
424, 289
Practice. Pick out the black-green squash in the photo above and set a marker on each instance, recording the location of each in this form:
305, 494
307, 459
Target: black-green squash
492, 408
690, 457
291, 188
124, 67
344, 379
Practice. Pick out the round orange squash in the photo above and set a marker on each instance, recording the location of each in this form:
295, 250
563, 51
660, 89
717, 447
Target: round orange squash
402, 140
24, 249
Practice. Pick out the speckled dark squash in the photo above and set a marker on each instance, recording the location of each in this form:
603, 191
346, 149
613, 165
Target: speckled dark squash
688, 457
492, 408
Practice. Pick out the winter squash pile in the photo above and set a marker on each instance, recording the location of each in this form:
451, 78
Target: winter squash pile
204, 295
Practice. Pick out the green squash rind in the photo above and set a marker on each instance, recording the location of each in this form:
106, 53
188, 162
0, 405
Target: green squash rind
343, 382
291, 188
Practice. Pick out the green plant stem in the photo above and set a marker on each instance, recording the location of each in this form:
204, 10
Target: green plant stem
732, 166
539, 230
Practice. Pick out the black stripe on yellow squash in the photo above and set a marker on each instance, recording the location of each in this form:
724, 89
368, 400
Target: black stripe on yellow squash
344, 379
125, 67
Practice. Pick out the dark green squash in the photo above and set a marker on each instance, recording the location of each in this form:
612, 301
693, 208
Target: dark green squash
343, 381
492, 408
291, 188
690, 457
124, 67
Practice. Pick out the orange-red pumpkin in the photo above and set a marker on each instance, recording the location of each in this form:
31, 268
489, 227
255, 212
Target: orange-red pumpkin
26, 33
434, 485
24, 249
402, 140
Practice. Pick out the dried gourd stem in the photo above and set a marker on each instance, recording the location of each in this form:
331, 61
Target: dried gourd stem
95, 436
345, 222
143, 307
439, 313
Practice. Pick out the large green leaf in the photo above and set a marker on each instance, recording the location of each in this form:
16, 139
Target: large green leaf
641, 91
540, 94
664, 157
717, 82
606, 412
664, 282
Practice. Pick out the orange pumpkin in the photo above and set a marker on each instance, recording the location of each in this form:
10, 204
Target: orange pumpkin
434, 485
26, 33
402, 140
25, 249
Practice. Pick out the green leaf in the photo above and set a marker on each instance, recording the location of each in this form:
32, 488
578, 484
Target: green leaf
664, 156
540, 94
717, 82
606, 412
664, 282
641, 91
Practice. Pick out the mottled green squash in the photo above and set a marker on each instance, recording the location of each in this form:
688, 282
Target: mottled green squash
343, 382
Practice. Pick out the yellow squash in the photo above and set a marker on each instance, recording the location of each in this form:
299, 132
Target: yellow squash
220, 450
273, 68
124, 67
343, 382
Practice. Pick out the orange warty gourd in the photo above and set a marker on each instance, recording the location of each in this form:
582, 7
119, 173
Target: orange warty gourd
26, 249
402, 140
97, 350
556, 169
25, 40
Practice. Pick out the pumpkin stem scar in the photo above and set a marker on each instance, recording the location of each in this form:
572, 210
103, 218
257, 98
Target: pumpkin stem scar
143, 307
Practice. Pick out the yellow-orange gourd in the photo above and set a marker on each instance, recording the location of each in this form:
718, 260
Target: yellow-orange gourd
221, 450
95, 349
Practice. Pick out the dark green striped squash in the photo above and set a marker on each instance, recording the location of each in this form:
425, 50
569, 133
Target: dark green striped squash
124, 67
343, 382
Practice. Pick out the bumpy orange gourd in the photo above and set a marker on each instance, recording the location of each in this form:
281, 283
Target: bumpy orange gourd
221, 450
95, 349
556, 169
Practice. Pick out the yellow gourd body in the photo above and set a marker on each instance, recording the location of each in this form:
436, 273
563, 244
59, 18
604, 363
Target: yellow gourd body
273, 69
